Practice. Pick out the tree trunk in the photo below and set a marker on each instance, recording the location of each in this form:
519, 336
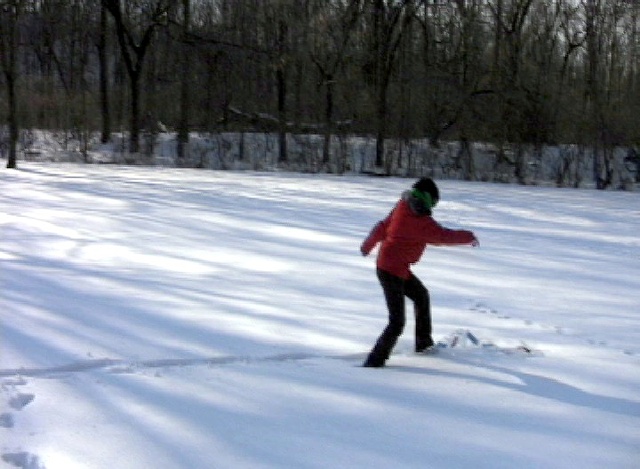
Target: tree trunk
134, 123
381, 125
593, 88
281, 84
104, 76
14, 129
390, 21
185, 83
8, 61
328, 120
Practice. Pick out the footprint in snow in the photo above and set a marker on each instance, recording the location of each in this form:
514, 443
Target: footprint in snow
483, 308
6, 420
20, 401
23, 460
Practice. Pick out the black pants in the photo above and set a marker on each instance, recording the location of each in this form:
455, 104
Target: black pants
395, 290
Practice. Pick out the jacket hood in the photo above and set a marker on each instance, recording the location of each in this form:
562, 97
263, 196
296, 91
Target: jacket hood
416, 204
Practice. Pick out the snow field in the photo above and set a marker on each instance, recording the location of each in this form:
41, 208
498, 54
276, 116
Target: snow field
181, 318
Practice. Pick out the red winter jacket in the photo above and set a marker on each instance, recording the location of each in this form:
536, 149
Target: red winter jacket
404, 235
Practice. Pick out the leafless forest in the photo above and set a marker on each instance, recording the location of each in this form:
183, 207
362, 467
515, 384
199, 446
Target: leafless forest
518, 75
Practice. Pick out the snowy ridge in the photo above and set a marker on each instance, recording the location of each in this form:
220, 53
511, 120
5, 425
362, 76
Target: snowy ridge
464, 338
123, 366
460, 339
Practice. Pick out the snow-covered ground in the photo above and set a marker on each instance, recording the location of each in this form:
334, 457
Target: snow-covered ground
156, 318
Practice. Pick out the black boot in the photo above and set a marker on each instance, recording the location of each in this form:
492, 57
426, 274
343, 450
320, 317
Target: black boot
382, 349
423, 344
374, 361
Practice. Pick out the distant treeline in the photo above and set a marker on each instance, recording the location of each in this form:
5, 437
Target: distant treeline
508, 72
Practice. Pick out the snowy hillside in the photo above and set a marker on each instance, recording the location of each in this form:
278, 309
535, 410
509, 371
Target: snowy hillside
163, 318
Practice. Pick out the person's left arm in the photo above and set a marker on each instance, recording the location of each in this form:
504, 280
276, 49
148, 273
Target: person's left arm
439, 235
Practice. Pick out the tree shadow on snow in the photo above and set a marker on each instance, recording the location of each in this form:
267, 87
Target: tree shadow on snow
535, 385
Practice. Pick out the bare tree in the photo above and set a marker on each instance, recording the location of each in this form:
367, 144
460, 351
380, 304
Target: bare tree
605, 85
185, 84
333, 26
469, 74
135, 27
281, 67
388, 20
511, 19
592, 13
9, 44
103, 51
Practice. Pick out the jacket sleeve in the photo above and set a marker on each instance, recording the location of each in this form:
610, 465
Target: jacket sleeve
378, 233
439, 235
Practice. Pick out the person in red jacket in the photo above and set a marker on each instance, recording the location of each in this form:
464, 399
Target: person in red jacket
404, 235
